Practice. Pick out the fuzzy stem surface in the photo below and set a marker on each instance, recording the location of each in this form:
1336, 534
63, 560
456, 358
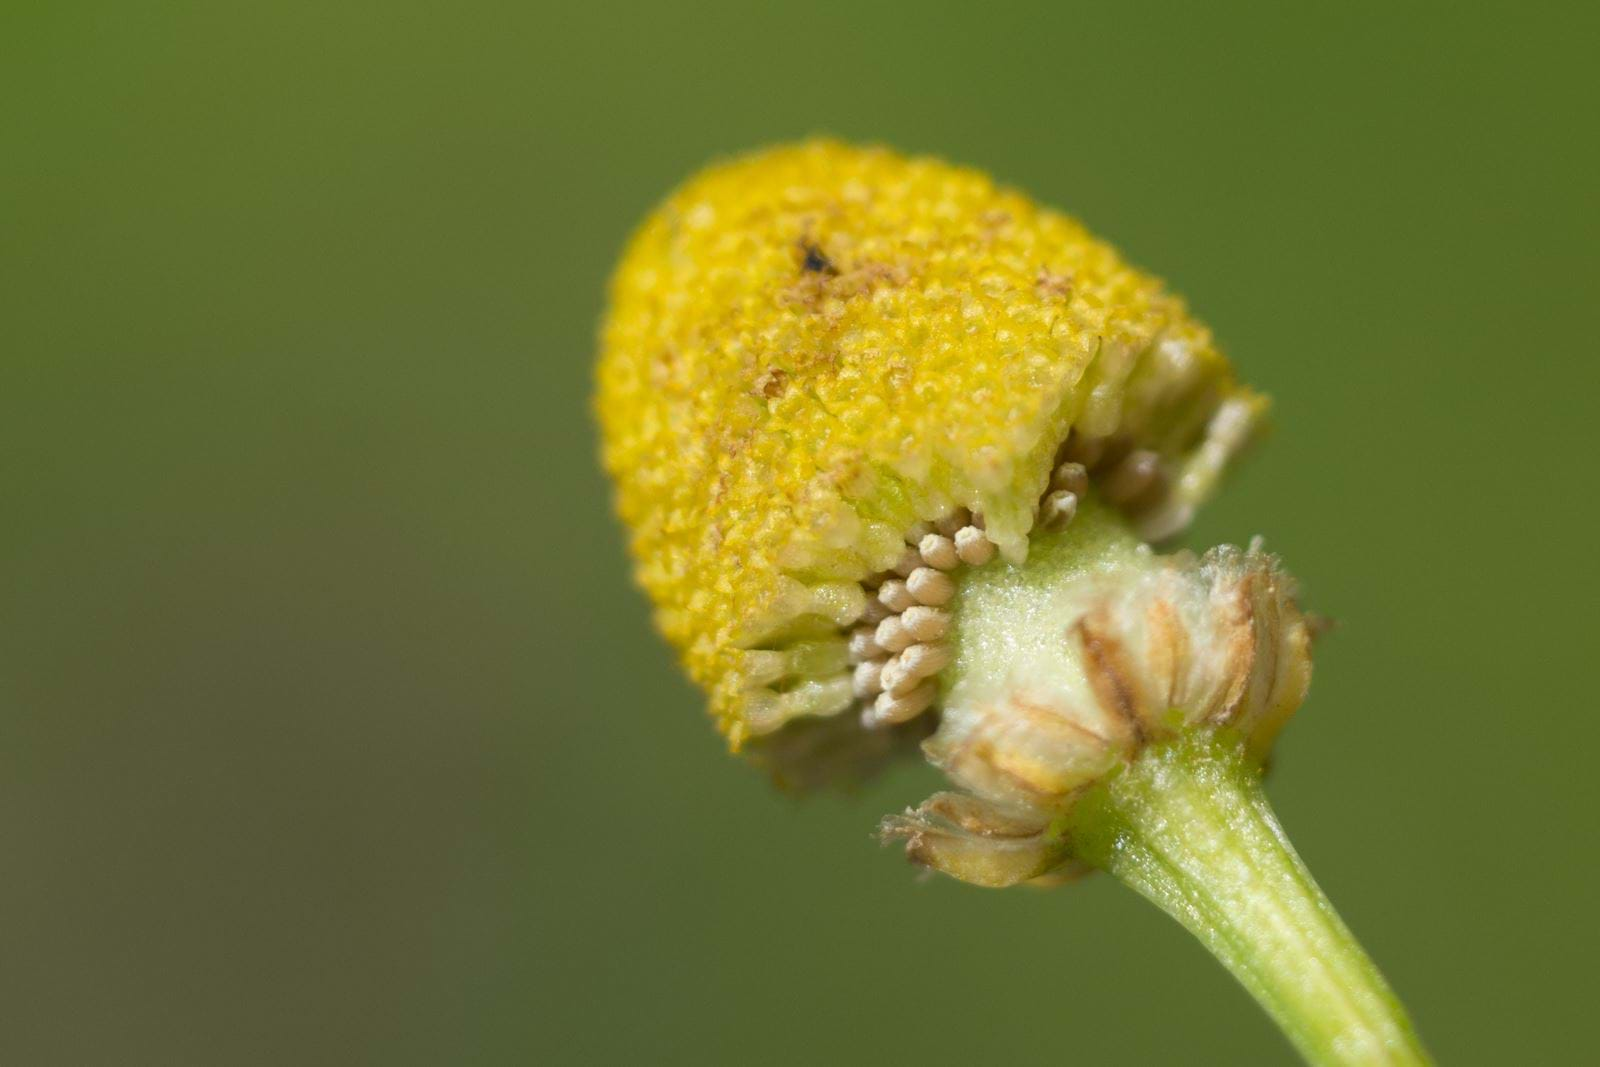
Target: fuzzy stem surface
1187, 825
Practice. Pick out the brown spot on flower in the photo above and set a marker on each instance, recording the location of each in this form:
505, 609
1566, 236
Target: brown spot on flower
813, 260
867, 278
663, 366
1056, 285
772, 382
995, 221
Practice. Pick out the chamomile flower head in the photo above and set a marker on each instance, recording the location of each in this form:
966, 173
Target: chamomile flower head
892, 443
833, 377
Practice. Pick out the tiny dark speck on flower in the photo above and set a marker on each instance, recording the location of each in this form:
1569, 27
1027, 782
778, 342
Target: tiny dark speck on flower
816, 262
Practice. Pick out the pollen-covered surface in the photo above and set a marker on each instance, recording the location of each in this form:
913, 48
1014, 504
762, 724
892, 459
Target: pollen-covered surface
813, 349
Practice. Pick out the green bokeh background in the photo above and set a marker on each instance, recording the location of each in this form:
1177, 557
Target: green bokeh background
333, 731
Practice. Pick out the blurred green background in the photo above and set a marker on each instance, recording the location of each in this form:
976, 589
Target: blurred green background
333, 729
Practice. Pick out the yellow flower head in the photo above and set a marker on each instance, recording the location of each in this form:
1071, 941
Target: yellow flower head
815, 352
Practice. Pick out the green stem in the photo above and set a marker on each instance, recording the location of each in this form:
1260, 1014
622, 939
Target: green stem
1188, 826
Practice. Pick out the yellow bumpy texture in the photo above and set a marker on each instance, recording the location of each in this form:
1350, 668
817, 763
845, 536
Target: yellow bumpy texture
812, 348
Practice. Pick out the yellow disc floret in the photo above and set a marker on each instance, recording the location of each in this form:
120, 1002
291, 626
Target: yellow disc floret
814, 349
